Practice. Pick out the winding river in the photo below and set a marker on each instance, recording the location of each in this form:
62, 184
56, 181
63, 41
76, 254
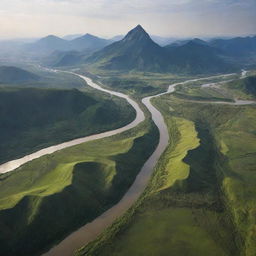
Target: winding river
91, 230
14, 164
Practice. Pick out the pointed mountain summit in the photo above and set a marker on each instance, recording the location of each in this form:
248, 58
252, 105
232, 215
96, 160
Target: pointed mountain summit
138, 33
136, 51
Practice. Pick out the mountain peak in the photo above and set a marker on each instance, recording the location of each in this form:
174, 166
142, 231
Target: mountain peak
138, 33
51, 37
89, 35
139, 27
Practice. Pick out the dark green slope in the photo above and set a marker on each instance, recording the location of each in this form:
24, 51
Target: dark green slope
135, 52
35, 118
16, 75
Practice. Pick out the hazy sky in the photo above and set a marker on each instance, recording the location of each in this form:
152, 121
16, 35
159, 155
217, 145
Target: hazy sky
34, 18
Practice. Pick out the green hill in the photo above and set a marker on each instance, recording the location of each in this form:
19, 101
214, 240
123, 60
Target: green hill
35, 118
16, 75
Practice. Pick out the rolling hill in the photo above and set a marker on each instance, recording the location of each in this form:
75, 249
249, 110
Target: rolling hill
16, 75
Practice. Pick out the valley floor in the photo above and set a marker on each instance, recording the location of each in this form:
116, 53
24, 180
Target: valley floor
201, 197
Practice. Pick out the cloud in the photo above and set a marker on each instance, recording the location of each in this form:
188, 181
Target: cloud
165, 17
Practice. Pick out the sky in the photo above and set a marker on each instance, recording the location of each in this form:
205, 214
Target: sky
172, 18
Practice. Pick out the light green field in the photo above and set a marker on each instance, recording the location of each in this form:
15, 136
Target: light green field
175, 168
170, 231
51, 174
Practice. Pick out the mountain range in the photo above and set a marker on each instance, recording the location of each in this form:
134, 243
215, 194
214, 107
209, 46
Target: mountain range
48, 45
138, 52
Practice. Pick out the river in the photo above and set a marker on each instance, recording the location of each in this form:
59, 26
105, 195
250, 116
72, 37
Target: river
90, 231
14, 164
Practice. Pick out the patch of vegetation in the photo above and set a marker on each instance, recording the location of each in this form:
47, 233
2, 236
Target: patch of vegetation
32, 119
243, 88
47, 198
137, 84
198, 91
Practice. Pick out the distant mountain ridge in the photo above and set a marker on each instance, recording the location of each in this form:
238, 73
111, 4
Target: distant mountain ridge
138, 52
239, 46
196, 56
88, 41
51, 43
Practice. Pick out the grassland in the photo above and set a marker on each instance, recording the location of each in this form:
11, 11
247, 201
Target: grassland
201, 198
32, 119
47, 198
